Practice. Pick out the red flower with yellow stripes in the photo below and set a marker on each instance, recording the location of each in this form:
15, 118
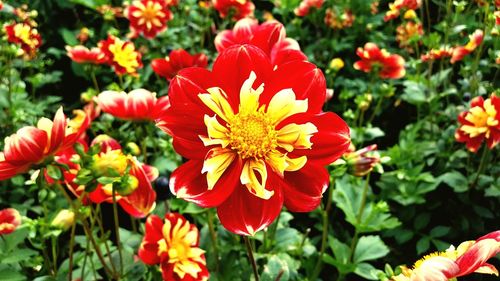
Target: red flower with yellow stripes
81, 54
121, 55
148, 17
10, 219
26, 36
173, 243
481, 122
469, 257
255, 136
388, 66
33, 145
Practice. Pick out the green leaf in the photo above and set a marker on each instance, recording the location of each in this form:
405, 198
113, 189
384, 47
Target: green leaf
54, 172
414, 92
423, 245
370, 248
18, 255
455, 180
8, 274
440, 231
367, 271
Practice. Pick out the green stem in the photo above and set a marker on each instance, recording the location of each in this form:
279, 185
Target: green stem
377, 108
82, 274
120, 81
251, 257
97, 217
213, 237
481, 166
324, 235
359, 216
54, 254
117, 230
94, 80
71, 246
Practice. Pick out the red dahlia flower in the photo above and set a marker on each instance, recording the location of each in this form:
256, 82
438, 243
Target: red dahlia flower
389, 66
255, 136
173, 244
24, 35
137, 105
398, 5
81, 54
148, 17
481, 121
467, 258
475, 39
237, 8
305, 6
269, 36
443, 52
177, 60
10, 219
121, 55
33, 145
138, 199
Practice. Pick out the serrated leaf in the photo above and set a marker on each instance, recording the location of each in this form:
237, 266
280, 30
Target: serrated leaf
455, 180
370, 248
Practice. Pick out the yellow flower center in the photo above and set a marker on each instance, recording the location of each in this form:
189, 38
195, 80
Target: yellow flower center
178, 243
482, 118
111, 161
252, 135
124, 55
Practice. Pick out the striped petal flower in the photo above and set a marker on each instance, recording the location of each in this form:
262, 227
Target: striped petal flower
122, 55
174, 244
254, 134
148, 17
10, 219
137, 105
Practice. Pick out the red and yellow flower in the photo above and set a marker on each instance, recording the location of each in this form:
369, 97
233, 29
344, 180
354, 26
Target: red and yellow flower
81, 54
177, 60
269, 36
388, 66
148, 17
255, 137
305, 6
174, 244
121, 55
481, 122
398, 5
467, 258
361, 162
33, 145
435, 54
137, 197
10, 219
408, 33
24, 35
237, 8
346, 19
459, 52
137, 105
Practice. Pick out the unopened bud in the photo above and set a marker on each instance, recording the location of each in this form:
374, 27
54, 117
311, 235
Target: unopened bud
64, 219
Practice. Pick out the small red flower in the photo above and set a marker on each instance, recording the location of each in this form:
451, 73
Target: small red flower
33, 145
480, 122
148, 17
467, 258
305, 6
174, 244
137, 105
24, 35
398, 5
177, 60
269, 36
443, 52
137, 199
121, 55
389, 66
10, 219
237, 8
362, 161
255, 135
81, 54
475, 39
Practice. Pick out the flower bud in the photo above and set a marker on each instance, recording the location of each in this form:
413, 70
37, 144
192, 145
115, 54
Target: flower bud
361, 162
409, 15
336, 64
128, 185
64, 219
133, 148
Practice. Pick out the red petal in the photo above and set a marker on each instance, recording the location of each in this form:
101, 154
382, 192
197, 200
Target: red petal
10, 219
8, 170
187, 85
477, 255
58, 131
148, 251
26, 146
188, 182
233, 67
330, 142
304, 189
268, 35
142, 201
304, 78
244, 213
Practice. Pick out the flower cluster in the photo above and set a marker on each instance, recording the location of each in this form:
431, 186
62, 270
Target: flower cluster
174, 244
408, 34
467, 258
345, 20
388, 66
148, 17
177, 60
24, 35
481, 122
456, 53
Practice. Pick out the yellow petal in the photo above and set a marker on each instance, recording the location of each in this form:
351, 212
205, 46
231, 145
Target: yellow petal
250, 180
295, 164
284, 104
249, 98
216, 163
217, 133
216, 100
277, 161
294, 136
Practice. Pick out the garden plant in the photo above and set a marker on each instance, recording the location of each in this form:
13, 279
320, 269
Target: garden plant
267, 140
